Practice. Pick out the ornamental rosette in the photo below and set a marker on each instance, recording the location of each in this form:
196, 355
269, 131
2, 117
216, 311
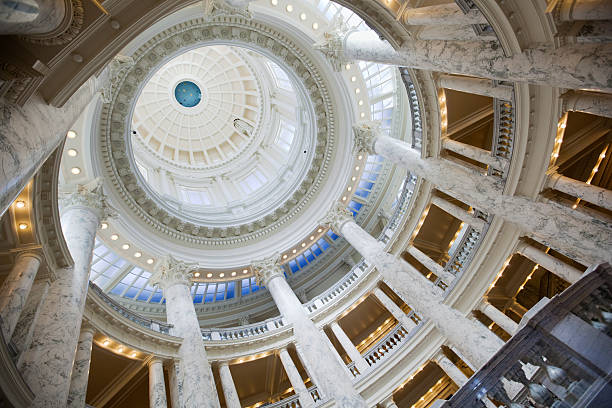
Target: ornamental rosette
337, 216
91, 196
266, 269
366, 133
169, 271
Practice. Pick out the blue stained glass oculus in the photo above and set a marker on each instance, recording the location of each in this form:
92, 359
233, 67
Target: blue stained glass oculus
187, 94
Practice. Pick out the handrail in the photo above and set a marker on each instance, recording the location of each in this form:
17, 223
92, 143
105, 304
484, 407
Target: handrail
240, 332
388, 344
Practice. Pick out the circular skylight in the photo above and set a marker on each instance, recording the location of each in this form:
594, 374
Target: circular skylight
188, 94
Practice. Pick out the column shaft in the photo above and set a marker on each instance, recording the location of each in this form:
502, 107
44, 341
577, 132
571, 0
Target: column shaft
22, 335
451, 370
596, 103
475, 153
550, 263
473, 339
176, 392
571, 66
394, 309
350, 348
458, 212
572, 10
595, 195
444, 14
42, 17
577, 235
493, 313
295, 379
15, 291
430, 264
229, 389
157, 386
331, 378
477, 86
80, 369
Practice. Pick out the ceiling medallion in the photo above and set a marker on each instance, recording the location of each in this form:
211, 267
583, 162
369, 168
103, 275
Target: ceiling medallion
187, 94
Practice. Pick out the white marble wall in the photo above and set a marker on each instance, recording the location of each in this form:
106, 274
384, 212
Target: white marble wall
80, 370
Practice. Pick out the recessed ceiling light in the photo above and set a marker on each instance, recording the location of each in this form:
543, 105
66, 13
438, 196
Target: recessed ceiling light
106, 342
303, 16
120, 349
221, 275
360, 157
196, 275
289, 8
75, 170
312, 237
357, 91
357, 168
320, 230
348, 66
362, 114
104, 225
233, 273
344, 198
150, 261
137, 254
315, 26
209, 275
125, 246
353, 78
349, 188
360, 102
23, 226
274, 2
285, 256
71, 134
353, 178
294, 251
72, 152
20, 204
303, 244
114, 237
245, 270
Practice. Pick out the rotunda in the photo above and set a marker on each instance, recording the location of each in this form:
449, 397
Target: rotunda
235, 203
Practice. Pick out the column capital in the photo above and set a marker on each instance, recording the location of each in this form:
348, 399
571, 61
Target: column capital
29, 251
366, 133
267, 269
90, 196
169, 271
223, 363
332, 44
87, 327
336, 217
155, 360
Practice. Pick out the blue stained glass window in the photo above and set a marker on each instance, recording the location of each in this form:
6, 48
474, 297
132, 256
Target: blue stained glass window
301, 261
198, 298
323, 244
309, 256
355, 205
293, 266
187, 94
231, 290
316, 250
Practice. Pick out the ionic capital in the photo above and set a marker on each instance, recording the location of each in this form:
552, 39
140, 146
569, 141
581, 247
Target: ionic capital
366, 133
332, 44
169, 271
90, 196
337, 216
267, 269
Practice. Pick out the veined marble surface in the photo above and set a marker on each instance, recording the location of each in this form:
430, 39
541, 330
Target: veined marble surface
22, 335
80, 370
295, 379
229, 389
157, 387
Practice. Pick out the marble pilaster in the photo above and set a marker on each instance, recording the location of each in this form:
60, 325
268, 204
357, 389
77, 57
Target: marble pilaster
475, 153
295, 379
477, 86
499, 317
585, 10
350, 348
473, 339
601, 197
595, 103
80, 369
394, 309
329, 375
47, 365
576, 235
227, 383
22, 335
23, 17
430, 264
176, 388
458, 212
550, 263
195, 374
442, 14
15, 290
157, 386
583, 66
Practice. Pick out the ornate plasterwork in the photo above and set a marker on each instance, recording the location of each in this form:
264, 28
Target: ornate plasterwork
169, 271
337, 216
90, 196
266, 269
114, 132
366, 133
227, 8
74, 14
332, 43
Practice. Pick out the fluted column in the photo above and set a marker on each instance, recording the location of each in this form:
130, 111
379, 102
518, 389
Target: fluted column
550, 263
15, 290
295, 379
595, 195
473, 339
476, 86
443, 14
572, 10
227, 383
394, 309
430, 264
475, 153
330, 376
47, 365
576, 235
572, 66
596, 103
80, 369
176, 388
499, 317
38, 17
458, 212
350, 348
157, 386
196, 376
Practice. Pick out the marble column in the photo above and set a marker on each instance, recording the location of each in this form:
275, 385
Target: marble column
227, 383
15, 290
350, 348
176, 388
388, 403
572, 10
477, 86
30, 133
38, 17
451, 369
394, 309
47, 365
499, 317
601, 197
430, 264
80, 369
475, 153
595, 103
572, 66
331, 378
443, 14
22, 335
195, 374
550, 263
157, 386
574, 234
475, 340
295, 379
458, 212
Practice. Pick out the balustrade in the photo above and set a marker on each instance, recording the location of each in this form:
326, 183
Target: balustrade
503, 133
387, 345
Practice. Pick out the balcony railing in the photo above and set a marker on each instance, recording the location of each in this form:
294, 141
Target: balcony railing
294, 402
241, 332
387, 345
503, 134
